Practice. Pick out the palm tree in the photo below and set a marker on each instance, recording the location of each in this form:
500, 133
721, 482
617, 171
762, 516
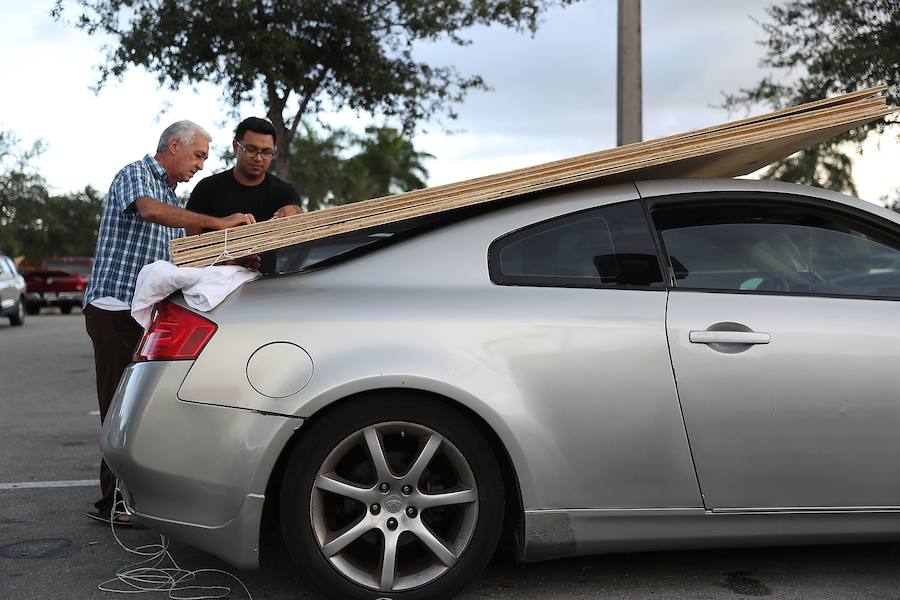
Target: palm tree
387, 164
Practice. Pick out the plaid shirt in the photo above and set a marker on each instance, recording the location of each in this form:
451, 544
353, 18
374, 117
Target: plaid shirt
126, 241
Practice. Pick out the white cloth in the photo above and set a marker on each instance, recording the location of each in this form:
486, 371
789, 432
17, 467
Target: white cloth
203, 287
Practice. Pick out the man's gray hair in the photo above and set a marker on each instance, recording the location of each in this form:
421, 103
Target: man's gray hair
183, 131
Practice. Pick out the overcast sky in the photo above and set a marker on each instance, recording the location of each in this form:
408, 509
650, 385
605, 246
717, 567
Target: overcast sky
553, 95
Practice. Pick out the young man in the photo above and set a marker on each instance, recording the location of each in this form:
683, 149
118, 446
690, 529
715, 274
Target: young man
247, 187
141, 216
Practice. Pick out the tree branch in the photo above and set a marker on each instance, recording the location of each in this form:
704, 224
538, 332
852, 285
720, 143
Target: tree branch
309, 93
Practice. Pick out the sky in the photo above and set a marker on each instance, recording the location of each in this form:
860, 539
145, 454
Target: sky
553, 95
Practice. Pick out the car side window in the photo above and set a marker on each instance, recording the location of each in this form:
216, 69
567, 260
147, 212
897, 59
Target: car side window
6, 271
778, 248
609, 246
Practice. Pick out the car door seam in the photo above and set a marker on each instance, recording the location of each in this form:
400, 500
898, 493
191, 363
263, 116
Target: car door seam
687, 436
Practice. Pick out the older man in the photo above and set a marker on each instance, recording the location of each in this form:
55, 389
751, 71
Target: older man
141, 216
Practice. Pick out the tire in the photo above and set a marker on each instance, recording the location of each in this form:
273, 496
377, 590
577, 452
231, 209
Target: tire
442, 516
32, 309
66, 309
18, 317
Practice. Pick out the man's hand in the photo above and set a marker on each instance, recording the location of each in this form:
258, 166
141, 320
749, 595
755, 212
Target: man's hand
235, 220
251, 262
287, 211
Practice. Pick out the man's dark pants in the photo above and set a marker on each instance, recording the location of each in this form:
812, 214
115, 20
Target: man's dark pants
114, 335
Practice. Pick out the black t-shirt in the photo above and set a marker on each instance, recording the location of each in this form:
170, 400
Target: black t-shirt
221, 195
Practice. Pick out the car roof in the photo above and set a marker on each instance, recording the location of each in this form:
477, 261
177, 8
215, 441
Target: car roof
670, 187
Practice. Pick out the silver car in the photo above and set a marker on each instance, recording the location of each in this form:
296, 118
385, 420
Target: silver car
650, 365
12, 292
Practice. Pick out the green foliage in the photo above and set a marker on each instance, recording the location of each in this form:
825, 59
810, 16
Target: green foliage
301, 55
387, 164
824, 165
892, 203
833, 46
73, 223
35, 224
380, 163
317, 166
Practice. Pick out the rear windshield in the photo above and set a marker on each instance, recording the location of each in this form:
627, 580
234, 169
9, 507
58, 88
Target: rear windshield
318, 252
73, 267
345, 246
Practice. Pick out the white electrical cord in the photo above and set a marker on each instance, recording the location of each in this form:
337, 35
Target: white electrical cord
148, 575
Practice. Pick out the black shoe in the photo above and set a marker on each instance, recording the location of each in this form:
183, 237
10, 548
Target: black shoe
122, 520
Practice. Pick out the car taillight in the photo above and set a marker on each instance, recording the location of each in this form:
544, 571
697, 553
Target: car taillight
175, 333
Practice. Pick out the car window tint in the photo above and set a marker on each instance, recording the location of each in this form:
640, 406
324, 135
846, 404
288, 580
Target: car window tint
606, 246
309, 254
753, 248
5, 270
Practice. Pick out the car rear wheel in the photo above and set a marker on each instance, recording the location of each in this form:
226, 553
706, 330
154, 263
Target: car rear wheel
32, 309
392, 496
18, 317
66, 309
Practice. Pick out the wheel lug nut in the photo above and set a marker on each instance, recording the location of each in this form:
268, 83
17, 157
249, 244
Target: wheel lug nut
385, 488
407, 489
375, 508
392, 523
411, 511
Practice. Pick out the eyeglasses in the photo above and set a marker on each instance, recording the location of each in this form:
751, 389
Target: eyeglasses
265, 154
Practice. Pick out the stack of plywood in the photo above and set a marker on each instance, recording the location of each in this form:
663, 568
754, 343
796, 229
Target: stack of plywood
727, 150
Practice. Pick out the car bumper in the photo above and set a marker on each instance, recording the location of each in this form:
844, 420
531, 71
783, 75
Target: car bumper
195, 472
48, 298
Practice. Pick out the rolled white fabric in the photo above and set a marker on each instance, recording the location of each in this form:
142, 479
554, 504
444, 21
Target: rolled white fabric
203, 287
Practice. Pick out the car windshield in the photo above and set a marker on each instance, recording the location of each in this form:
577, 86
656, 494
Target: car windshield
71, 266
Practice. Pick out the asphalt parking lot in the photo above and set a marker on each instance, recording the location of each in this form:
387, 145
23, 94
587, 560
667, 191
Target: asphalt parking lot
48, 549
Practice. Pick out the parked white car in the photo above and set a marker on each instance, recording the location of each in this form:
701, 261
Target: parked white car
12, 292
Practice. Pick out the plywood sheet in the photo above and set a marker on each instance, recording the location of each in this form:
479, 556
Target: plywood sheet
726, 150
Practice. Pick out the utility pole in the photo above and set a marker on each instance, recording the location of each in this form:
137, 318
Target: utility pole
629, 128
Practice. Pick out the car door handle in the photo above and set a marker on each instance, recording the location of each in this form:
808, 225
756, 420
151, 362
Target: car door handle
729, 337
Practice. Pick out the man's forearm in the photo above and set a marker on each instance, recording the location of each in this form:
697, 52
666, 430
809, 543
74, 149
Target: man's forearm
173, 216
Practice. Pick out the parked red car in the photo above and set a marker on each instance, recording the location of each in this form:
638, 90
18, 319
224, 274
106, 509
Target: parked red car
59, 281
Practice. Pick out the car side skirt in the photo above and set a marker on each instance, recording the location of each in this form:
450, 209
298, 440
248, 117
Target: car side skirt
553, 534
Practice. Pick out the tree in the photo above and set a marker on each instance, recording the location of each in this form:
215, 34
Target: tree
836, 46
317, 166
301, 56
73, 221
892, 203
380, 163
23, 196
387, 164
32, 222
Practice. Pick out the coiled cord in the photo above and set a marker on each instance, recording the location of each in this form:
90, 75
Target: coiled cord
151, 574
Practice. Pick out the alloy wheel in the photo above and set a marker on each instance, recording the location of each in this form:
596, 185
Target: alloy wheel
393, 506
